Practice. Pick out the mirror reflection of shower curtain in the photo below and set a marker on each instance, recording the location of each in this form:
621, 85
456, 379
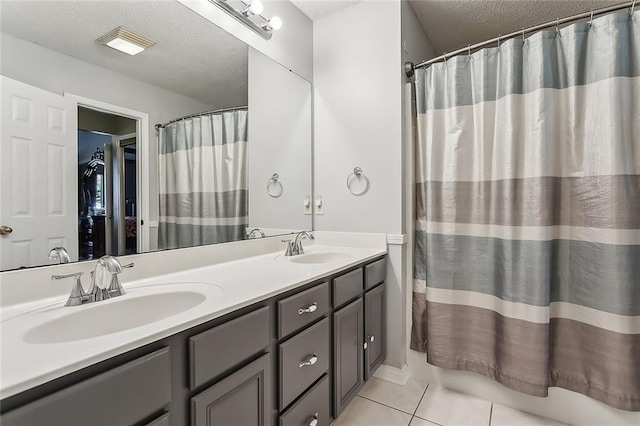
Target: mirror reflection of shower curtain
202, 180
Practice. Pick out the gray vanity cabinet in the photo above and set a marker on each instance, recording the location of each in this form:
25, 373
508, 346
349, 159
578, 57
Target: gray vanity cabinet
242, 399
121, 396
297, 358
374, 321
348, 371
358, 330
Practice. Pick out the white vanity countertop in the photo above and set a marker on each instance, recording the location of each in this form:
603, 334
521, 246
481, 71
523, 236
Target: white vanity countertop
228, 286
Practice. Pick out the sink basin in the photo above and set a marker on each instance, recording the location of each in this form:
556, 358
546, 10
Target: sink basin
320, 258
112, 316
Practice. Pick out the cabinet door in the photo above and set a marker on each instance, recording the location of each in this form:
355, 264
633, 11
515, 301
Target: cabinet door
374, 338
348, 356
242, 399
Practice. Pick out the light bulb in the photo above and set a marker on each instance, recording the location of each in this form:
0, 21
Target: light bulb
255, 8
275, 23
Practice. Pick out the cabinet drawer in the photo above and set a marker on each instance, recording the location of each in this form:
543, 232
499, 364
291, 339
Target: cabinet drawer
310, 345
302, 309
347, 287
375, 273
121, 396
221, 348
313, 406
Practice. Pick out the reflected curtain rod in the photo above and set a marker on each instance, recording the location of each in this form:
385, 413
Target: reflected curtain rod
409, 67
199, 114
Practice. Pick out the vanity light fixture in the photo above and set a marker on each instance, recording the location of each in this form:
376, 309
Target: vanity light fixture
251, 10
125, 40
255, 8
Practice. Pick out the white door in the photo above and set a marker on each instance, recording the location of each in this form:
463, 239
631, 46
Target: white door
38, 175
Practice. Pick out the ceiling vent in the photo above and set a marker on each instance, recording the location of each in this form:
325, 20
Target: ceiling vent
125, 40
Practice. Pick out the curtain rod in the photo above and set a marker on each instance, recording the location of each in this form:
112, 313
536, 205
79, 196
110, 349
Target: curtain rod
409, 67
198, 114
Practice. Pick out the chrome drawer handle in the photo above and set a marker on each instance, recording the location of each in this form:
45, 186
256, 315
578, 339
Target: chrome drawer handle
310, 361
309, 309
314, 420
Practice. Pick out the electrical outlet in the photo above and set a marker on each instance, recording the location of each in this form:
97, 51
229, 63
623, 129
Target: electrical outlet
319, 205
307, 206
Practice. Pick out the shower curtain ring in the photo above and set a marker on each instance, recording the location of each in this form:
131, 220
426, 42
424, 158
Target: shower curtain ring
469, 49
523, 39
591, 19
557, 24
633, 6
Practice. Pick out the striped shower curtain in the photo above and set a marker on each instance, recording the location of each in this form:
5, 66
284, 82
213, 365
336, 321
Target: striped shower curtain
202, 180
527, 252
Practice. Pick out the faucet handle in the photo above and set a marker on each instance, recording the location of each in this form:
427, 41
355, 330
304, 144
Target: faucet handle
291, 247
128, 265
77, 295
61, 277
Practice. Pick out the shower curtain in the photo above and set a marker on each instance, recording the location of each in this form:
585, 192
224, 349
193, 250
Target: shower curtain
202, 180
527, 233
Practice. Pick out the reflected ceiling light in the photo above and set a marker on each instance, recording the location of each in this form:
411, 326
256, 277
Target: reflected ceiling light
125, 40
251, 10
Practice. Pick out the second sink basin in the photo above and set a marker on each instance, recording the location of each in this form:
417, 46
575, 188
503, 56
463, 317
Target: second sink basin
118, 314
320, 258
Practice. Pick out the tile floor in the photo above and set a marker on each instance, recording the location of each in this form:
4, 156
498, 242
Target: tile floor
416, 404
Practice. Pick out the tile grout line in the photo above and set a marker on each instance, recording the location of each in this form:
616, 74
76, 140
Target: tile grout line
418, 406
383, 404
491, 414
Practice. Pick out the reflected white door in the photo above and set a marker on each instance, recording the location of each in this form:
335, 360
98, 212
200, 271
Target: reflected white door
38, 175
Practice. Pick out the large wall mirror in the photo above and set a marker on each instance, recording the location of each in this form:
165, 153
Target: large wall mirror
199, 139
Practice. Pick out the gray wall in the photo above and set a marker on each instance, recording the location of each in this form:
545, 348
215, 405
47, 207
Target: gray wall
279, 142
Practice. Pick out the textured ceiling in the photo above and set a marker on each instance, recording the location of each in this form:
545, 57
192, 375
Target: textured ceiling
454, 24
191, 56
316, 9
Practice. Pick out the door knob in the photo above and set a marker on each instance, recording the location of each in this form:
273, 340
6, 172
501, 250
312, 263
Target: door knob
5, 230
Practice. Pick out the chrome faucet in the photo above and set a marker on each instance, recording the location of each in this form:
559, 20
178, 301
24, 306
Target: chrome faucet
294, 247
60, 255
257, 231
99, 289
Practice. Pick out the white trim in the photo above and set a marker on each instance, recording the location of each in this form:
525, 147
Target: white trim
153, 224
392, 374
142, 146
399, 239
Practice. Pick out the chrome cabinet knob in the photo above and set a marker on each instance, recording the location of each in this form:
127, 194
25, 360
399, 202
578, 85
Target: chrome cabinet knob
5, 230
309, 309
372, 338
309, 361
314, 420
365, 345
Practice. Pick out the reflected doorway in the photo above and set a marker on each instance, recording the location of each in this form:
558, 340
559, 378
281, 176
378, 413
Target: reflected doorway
107, 202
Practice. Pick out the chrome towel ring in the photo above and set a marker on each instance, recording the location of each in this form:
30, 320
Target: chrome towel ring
357, 174
272, 186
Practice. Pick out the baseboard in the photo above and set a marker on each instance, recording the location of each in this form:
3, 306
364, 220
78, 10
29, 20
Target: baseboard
392, 374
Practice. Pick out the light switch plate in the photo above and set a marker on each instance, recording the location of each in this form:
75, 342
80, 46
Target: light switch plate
308, 209
319, 205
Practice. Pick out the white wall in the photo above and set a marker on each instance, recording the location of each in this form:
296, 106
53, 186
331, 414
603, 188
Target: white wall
279, 104
290, 46
358, 122
58, 73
